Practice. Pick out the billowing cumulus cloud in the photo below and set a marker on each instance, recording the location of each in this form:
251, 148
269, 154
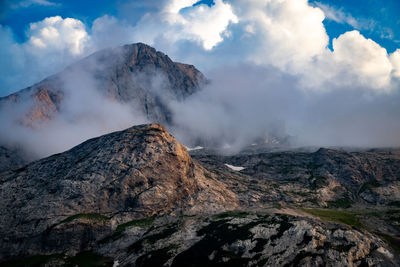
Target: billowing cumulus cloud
288, 33
59, 35
52, 44
354, 53
395, 59
180, 20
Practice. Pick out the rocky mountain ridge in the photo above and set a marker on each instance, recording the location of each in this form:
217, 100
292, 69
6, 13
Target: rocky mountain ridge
137, 198
327, 177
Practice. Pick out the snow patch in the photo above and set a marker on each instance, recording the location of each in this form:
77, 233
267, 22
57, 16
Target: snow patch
194, 148
235, 168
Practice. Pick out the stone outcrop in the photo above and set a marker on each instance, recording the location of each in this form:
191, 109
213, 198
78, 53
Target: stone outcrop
325, 178
136, 173
137, 198
229, 239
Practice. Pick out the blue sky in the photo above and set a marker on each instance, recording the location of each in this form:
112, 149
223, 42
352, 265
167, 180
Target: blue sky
380, 18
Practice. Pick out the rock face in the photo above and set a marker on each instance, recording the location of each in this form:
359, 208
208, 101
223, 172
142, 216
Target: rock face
245, 239
325, 178
228, 239
137, 198
136, 74
137, 173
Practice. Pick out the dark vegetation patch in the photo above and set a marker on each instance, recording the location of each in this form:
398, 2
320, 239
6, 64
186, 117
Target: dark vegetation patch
344, 203
122, 227
345, 217
88, 216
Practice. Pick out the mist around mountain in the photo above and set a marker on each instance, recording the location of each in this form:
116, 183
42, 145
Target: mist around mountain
107, 91
231, 109
235, 178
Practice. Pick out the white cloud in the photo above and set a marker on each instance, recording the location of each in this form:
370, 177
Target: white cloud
175, 6
338, 15
395, 59
180, 20
287, 32
290, 35
368, 60
52, 44
55, 34
28, 3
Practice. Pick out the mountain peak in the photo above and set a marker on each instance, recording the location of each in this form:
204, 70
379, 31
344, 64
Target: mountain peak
135, 173
136, 75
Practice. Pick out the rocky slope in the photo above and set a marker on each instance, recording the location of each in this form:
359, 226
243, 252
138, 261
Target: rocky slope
325, 178
137, 173
225, 239
137, 198
136, 74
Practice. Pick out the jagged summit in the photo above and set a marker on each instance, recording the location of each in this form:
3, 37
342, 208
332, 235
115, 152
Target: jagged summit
183, 79
136, 74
